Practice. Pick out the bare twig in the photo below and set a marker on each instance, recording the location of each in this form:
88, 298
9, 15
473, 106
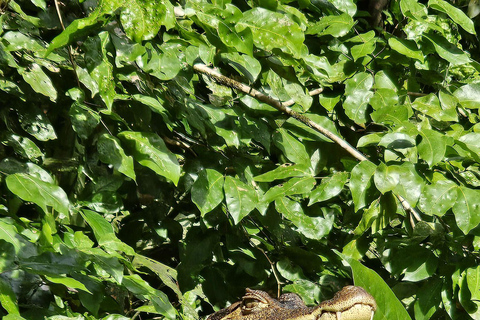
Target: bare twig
285, 108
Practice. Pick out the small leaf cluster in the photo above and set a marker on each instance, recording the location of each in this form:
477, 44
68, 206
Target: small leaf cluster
134, 185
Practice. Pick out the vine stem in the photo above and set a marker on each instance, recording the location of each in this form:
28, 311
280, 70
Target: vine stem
285, 108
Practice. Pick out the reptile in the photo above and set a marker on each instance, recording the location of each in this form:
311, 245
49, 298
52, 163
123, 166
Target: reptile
350, 303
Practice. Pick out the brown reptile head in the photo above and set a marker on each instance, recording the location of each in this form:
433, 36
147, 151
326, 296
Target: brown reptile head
351, 303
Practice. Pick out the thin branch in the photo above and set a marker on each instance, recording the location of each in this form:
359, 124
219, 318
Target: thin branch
285, 108
69, 48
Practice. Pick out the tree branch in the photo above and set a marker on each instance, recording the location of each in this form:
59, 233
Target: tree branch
285, 108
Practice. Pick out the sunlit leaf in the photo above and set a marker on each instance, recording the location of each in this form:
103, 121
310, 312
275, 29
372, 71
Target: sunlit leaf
357, 96
272, 30
361, 184
310, 227
43, 194
111, 152
454, 13
241, 198
329, 187
150, 151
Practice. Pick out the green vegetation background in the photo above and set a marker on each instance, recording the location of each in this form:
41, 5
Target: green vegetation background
134, 186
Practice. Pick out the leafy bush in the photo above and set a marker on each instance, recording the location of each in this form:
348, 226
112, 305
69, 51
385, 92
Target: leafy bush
158, 157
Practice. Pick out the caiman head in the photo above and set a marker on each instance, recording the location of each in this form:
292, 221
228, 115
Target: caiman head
350, 303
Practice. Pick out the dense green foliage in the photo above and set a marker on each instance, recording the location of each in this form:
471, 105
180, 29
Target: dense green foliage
134, 186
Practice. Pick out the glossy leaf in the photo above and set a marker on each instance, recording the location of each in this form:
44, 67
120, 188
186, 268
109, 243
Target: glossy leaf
111, 152
241, 198
150, 151
402, 179
8, 299
99, 66
293, 149
358, 94
467, 209
454, 13
336, 26
361, 184
272, 30
430, 105
432, 147
43, 194
389, 307
405, 47
68, 282
329, 188
142, 20
282, 172
207, 191
468, 96
438, 197
447, 51
40, 81
310, 227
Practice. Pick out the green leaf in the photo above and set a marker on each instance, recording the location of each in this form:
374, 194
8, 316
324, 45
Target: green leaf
361, 184
468, 96
283, 172
245, 65
99, 66
8, 299
111, 152
430, 105
167, 274
207, 190
437, 198
406, 47
471, 143
11, 234
401, 179
293, 186
329, 188
432, 147
454, 13
397, 140
36, 123
150, 151
420, 265
80, 27
413, 9
241, 198
293, 149
43, 194
357, 97
447, 50
467, 209
242, 41
84, 120
163, 65
104, 232
428, 298
384, 98
272, 30
336, 26
142, 20
23, 146
68, 282
311, 227
39, 81
389, 307
367, 47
